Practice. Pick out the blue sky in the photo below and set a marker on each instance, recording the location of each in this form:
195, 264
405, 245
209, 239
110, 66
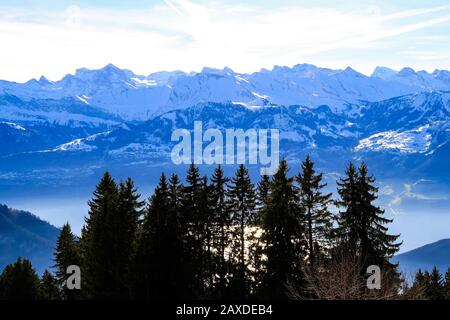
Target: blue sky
53, 38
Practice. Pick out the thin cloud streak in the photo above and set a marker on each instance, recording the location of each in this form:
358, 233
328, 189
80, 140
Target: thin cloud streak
409, 193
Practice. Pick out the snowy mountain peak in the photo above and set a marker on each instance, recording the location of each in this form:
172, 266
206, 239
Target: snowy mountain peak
43, 80
383, 73
136, 97
281, 69
165, 78
407, 72
304, 66
12, 125
349, 71
111, 67
224, 72
443, 75
109, 73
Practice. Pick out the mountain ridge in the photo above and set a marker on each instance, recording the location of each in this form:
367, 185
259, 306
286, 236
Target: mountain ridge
110, 118
22, 234
425, 258
138, 97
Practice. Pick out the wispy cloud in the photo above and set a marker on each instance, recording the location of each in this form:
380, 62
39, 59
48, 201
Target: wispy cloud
183, 34
409, 192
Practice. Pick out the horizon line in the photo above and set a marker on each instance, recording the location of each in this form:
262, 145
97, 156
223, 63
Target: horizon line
193, 72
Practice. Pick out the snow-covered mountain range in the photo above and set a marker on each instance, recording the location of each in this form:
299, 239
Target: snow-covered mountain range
113, 117
136, 97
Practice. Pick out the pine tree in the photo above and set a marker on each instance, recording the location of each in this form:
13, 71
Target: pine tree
283, 236
193, 219
435, 289
158, 258
124, 225
242, 203
19, 281
362, 224
447, 285
49, 288
150, 257
348, 224
175, 189
314, 204
107, 238
377, 246
174, 240
420, 285
98, 246
66, 254
256, 247
263, 192
221, 222
207, 216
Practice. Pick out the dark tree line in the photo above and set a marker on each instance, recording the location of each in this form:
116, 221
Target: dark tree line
219, 238
431, 285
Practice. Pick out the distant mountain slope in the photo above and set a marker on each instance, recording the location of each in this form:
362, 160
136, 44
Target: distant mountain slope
62, 131
136, 97
409, 133
40, 124
426, 257
69, 111
22, 234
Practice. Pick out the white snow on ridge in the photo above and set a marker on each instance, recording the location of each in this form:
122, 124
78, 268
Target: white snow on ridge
260, 96
135, 97
95, 136
75, 145
83, 98
241, 79
141, 150
145, 82
80, 144
15, 113
246, 105
14, 126
410, 141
